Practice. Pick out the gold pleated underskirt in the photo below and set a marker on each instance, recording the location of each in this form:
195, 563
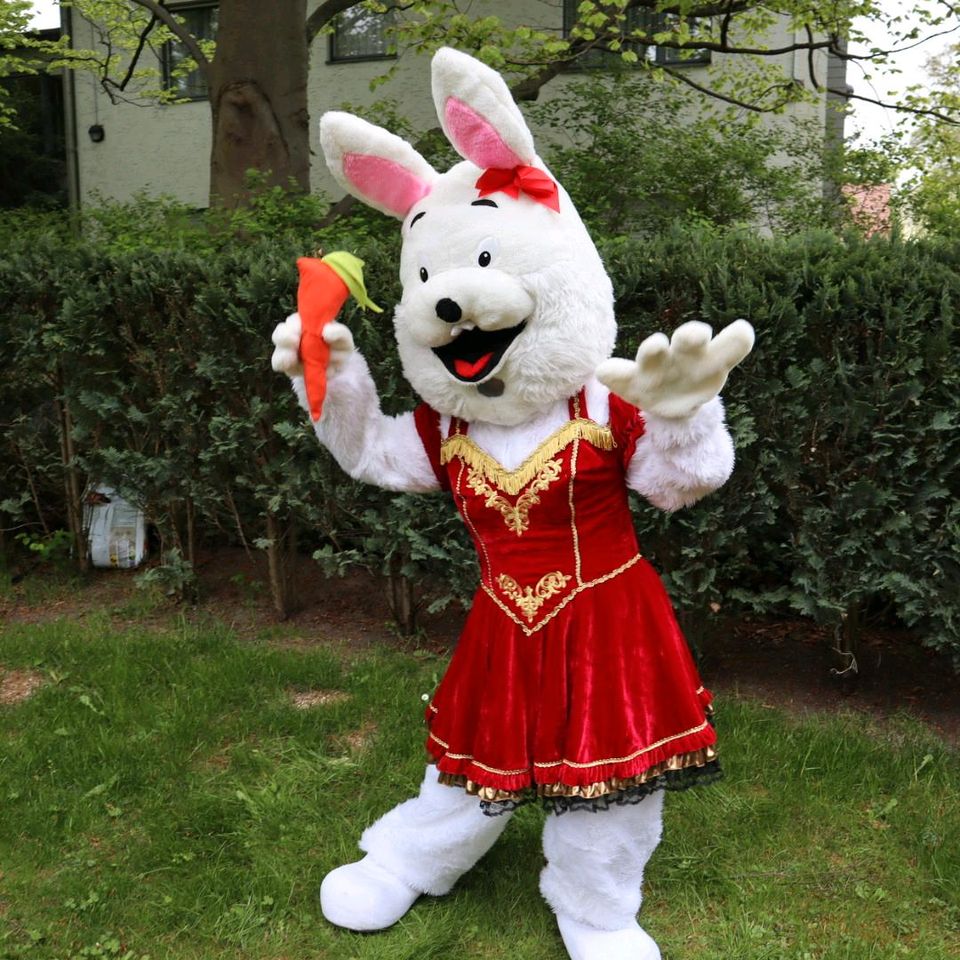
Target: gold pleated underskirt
590, 791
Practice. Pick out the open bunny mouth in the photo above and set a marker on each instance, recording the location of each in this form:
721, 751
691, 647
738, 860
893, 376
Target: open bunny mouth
475, 353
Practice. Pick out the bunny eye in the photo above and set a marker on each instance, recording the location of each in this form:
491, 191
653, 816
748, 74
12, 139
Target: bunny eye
485, 251
424, 276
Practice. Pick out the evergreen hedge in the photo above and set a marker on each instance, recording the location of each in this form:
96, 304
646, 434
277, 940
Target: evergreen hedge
150, 371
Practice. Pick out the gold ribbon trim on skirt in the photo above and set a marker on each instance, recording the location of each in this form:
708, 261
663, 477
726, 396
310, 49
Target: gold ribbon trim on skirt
590, 791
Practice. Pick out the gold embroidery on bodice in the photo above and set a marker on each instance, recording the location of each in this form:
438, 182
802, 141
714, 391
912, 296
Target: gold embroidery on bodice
515, 515
489, 479
531, 599
511, 482
494, 484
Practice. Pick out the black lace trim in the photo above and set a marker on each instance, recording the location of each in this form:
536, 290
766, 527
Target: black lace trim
671, 780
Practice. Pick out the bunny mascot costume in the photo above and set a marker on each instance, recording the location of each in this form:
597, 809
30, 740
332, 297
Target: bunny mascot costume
571, 682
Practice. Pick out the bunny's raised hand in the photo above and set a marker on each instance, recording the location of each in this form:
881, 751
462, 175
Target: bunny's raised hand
673, 378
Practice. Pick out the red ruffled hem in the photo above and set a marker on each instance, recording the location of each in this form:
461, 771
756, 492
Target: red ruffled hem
693, 748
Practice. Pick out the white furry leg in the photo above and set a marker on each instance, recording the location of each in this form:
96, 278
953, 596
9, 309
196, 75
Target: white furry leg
429, 842
422, 846
594, 872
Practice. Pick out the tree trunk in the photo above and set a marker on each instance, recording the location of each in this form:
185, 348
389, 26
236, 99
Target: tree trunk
73, 489
848, 646
258, 98
403, 603
281, 560
191, 524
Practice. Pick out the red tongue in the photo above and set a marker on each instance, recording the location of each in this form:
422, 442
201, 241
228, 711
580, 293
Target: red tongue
466, 369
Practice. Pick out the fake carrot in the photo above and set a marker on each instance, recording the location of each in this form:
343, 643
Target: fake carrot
325, 284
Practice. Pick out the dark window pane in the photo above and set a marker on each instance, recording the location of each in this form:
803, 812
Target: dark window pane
650, 22
361, 34
202, 24
669, 55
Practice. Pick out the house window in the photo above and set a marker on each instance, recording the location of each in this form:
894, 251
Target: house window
201, 21
650, 22
362, 34
653, 22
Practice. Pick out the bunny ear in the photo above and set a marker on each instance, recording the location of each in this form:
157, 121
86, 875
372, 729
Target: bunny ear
478, 114
377, 167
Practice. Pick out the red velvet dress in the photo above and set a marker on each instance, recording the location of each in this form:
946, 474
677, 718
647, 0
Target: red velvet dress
571, 680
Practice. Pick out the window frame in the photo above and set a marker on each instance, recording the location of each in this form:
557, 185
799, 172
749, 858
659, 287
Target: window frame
333, 57
170, 84
663, 57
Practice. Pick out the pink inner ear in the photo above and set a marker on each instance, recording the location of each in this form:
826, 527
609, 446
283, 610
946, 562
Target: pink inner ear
384, 182
475, 138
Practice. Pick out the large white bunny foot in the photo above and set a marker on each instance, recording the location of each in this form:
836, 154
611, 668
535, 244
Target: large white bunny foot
363, 896
589, 943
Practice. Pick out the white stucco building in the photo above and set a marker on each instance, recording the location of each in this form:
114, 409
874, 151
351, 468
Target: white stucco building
115, 150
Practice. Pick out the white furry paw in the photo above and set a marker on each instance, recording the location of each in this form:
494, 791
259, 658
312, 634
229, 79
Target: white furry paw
589, 943
363, 896
340, 341
674, 378
286, 342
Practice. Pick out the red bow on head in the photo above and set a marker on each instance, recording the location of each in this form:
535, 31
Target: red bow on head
516, 180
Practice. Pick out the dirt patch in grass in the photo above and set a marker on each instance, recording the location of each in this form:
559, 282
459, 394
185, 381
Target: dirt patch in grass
219, 760
357, 740
310, 699
18, 685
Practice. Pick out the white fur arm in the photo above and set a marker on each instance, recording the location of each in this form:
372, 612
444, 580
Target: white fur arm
384, 451
681, 459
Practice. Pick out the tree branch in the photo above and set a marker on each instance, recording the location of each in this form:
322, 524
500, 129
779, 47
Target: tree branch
725, 26
811, 63
324, 14
720, 8
178, 30
930, 112
141, 43
528, 89
718, 47
920, 43
684, 77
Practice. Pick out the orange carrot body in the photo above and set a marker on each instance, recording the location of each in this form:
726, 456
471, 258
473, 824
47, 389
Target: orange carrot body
320, 297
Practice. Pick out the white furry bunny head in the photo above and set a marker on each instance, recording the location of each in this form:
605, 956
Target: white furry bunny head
506, 307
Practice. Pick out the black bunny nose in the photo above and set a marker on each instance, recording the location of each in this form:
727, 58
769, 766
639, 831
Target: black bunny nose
449, 310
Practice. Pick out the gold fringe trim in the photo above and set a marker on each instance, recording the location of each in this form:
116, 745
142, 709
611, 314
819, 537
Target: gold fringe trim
590, 791
512, 482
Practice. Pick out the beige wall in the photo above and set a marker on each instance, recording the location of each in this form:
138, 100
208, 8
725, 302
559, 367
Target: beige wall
164, 150
332, 85
161, 150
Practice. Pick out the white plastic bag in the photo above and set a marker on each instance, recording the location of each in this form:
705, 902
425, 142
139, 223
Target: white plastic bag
116, 529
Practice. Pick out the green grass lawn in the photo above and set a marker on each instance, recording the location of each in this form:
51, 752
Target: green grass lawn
162, 795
